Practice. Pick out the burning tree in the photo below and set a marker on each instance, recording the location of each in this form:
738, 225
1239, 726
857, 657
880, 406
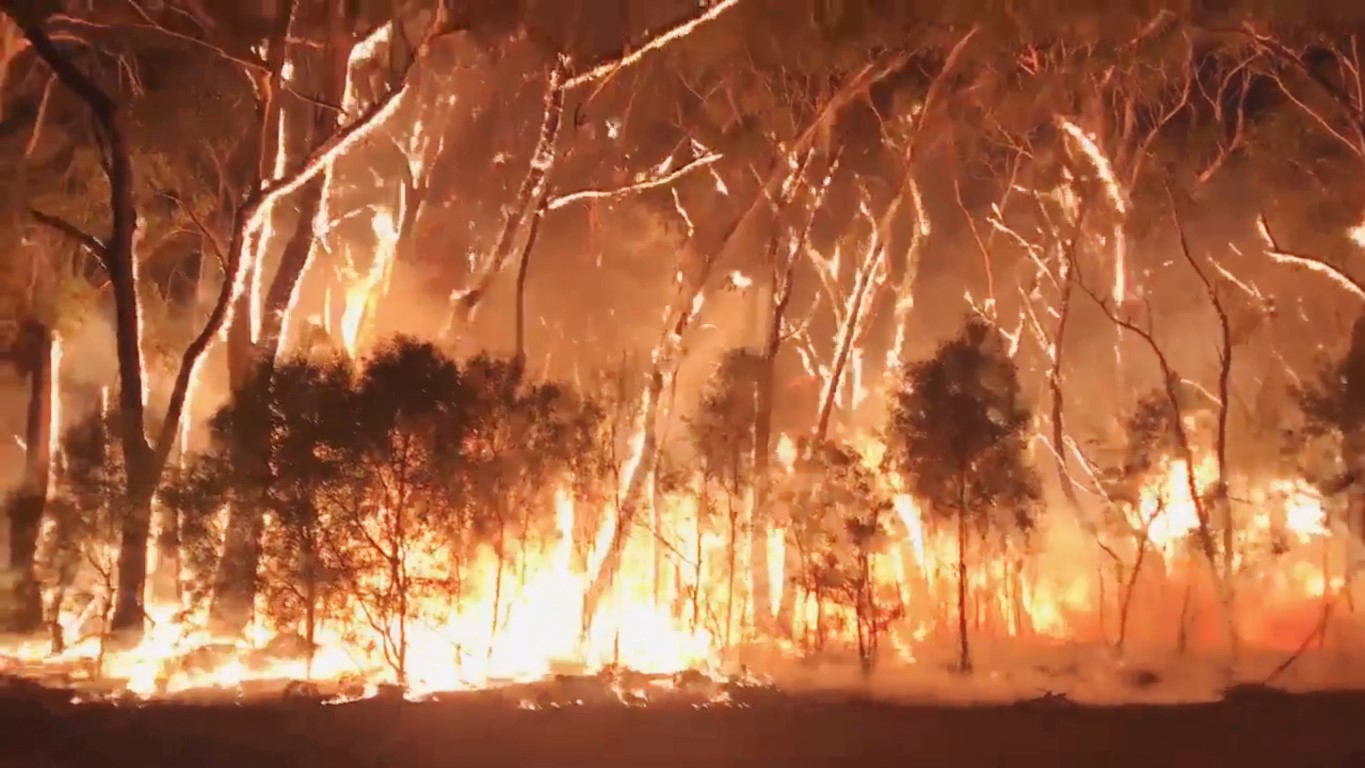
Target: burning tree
957, 431
89, 513
838, 522
723, 435
410, 426
522, 439
304, 407
1327, 447
1152, 438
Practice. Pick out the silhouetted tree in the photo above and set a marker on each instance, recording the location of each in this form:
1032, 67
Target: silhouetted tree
89, 510
838, 521
1150, 435
722, 432
957, 431
303, 411
523, 440
1328, 447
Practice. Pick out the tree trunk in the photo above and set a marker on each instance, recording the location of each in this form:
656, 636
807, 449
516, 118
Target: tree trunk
251, 364
129, 610
29, 502
1129, 587
251, 360
964, 662
848, 334
730, 563
760, 517
523, 269
530, 201
664, 363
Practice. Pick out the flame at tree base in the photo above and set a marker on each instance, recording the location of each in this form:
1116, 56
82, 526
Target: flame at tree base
667, 611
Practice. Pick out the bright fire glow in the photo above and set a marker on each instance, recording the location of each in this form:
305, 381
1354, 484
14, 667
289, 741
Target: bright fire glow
665, 612
364, 292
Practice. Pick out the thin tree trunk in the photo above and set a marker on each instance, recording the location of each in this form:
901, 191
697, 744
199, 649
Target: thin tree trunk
731, 557
310, 599
1226, 583
251, 360
530, 201
1182, 638
1129, 587
30, 501
848, 334
964, 662
523, 269
685, 310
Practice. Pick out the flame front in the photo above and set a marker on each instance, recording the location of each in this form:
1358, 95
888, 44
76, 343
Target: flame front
665, 615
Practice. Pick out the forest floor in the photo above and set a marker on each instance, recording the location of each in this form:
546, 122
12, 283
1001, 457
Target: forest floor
767, 729
1072, 707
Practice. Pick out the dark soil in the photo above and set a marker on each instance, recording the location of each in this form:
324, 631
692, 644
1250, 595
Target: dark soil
1249, 729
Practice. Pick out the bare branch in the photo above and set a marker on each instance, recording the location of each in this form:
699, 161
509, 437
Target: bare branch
70, 231
561, 201
530, 200
1283, 54
1225, 152
40, 119
150, 25
1224, 377
676, 32
343, 140
1169, 381
1330, 271
215, 244
251, 218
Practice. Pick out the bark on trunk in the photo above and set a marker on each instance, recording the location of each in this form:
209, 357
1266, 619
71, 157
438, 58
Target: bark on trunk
760, 517
251, 364
1129, 588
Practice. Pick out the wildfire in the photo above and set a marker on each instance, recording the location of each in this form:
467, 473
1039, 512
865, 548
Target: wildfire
364, 292
661, 616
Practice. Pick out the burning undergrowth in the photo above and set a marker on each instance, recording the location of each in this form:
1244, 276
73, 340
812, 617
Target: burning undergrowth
417, 527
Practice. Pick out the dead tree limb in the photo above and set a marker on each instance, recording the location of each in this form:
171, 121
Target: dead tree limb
1336, 274
1169, 382
1220, 489
529, 200
556, 202
625, 59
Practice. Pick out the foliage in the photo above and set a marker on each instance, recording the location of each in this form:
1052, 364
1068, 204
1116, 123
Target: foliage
1150, 434
958, 433
88, 511
722, 429
1327, 445
838, 520
382, 482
